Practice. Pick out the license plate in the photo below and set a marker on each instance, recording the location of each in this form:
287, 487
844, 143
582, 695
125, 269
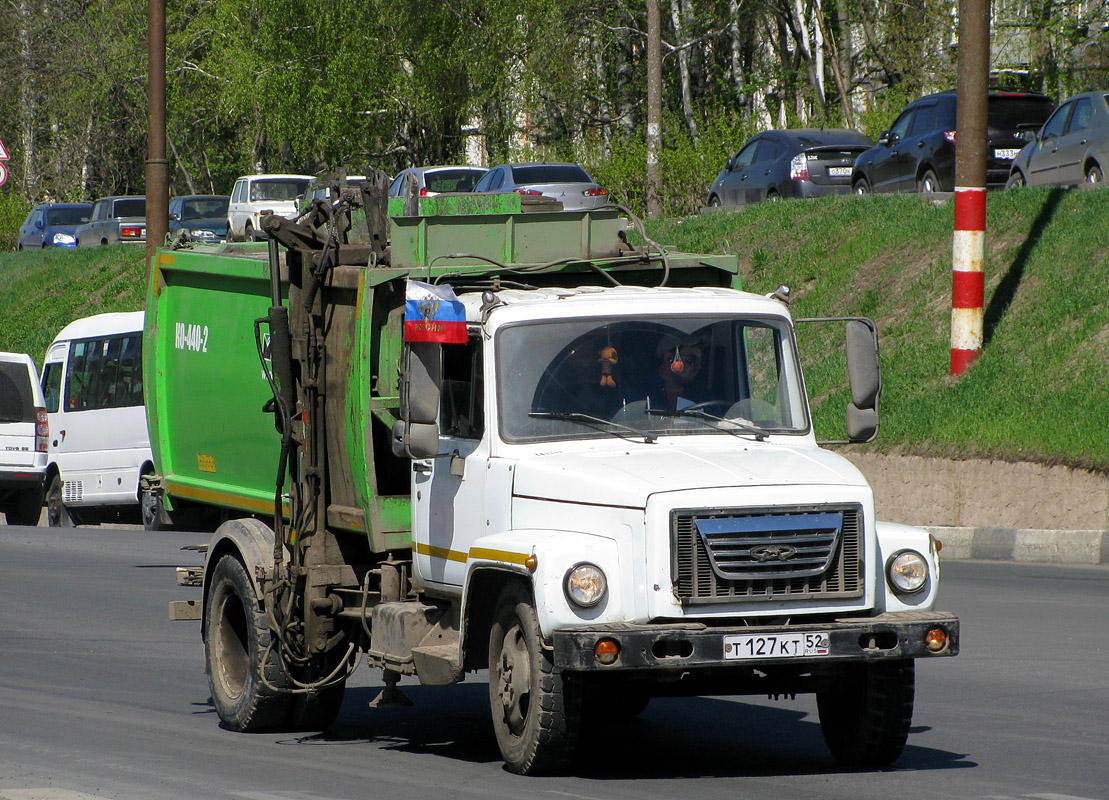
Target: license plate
1006, 154
839, 172
776, 645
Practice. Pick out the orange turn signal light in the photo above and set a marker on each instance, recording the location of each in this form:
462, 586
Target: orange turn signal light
606, 651
936, 639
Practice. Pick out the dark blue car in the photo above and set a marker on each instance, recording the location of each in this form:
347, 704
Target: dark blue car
203, 217
53, 225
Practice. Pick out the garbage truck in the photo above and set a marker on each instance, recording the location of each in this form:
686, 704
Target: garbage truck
483, 434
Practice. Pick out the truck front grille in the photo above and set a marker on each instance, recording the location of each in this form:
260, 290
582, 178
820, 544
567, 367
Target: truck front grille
728, 555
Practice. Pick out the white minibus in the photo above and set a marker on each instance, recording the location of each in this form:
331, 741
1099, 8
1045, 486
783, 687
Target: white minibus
99, 446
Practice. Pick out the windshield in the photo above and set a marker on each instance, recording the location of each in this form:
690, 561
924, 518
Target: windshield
278, 189
73, 215
549, 173
672, 376
204, 208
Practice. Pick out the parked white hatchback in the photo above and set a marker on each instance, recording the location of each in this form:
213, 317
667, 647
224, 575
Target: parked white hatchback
255, 196
24, 430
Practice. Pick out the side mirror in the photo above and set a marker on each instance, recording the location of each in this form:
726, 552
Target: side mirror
416, 434
884, 137
175, 217
865, 375
729, 164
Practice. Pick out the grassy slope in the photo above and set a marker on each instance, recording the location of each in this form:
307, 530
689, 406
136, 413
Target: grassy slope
1038, 392
43, 290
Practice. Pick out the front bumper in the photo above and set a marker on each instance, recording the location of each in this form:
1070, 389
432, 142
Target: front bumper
687, 646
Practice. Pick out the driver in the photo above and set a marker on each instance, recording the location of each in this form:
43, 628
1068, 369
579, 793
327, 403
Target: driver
678, 382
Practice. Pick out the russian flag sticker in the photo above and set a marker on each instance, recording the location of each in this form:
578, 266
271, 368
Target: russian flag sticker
433, 314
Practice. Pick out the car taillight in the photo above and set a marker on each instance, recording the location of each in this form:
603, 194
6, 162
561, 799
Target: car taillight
598, 192
42, 430
423, 192
799, 167
950, 136
527, 191
130, 231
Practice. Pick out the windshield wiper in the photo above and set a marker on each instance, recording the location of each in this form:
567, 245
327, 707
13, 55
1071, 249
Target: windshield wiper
615, 428
759, 433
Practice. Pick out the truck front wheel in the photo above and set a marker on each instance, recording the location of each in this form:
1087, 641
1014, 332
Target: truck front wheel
866, 710
536, 707
240, 650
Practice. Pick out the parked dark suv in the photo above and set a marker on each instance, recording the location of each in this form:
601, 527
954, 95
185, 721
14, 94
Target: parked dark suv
917, 153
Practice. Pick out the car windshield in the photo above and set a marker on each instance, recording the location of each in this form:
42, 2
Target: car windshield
131, 207
1005, 113
278, 189
585, 378
204, 208
67, 216
452, 180
550, 173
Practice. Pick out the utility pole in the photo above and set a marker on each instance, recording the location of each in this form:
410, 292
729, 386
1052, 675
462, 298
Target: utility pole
654, 109
969, 240
157, 167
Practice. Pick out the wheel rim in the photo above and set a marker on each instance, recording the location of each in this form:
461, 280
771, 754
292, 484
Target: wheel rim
514, 680
1094, 175
230, 641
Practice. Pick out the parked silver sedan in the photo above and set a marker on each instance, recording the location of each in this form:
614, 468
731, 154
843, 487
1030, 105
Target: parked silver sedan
1072, 147
567, 183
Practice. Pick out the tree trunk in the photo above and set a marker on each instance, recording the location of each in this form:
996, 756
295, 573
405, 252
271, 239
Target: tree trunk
27, 97
678, 16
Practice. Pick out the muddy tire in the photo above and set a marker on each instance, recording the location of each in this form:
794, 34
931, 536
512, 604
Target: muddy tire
316, 710
238, 652
866, 710
536, 707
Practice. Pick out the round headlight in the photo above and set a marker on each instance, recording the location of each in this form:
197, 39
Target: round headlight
907, 572
585, 585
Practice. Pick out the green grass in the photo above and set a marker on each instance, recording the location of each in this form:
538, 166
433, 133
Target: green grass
41, 291
1038, 392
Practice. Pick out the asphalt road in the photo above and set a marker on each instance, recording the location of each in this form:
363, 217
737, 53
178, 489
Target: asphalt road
101, 696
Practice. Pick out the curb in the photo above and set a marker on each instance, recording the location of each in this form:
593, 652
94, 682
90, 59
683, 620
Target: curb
1015, 544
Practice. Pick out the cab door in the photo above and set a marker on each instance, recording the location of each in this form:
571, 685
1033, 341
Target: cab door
448, 492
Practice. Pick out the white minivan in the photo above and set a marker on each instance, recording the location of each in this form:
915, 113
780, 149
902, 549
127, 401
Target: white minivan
99, 446
255, 196
23, 434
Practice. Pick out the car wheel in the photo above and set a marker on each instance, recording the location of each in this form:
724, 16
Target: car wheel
929, 183
773, 196
1016, 180
1094, 175
248, 232
57, 515
862, 186
714, 202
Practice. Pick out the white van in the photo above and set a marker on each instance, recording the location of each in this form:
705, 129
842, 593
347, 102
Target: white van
255, 196
99, 446
23, 435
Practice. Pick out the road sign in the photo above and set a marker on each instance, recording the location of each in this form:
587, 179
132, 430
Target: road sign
3, 158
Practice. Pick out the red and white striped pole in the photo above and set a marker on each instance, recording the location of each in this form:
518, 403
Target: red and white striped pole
969, 241
967, 277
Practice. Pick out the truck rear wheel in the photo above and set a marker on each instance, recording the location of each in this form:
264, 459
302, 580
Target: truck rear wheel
536, 708
240, 650
316, 709
866, 710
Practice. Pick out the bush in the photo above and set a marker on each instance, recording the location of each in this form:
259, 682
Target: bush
688, 166
13, 210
